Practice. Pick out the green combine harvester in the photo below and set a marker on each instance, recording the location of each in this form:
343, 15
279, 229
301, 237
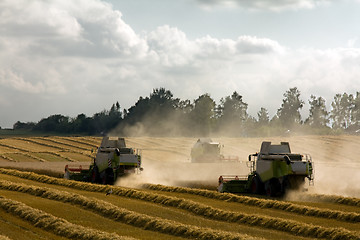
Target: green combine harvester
272, 171
113, 160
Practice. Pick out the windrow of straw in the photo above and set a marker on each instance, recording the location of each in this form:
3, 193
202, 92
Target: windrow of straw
78, 140
54, 224
251, 201
350, 201
2, 237
56, 143
13, 147
289, 226
123, 215
265, 203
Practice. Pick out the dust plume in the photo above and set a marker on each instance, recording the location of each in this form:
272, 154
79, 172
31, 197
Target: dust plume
183, 174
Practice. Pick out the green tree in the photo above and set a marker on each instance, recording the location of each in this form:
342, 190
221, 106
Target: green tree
340, 114
318, 115
355, 111
289, 112
263, 116
232, 114
232, 108
202, 115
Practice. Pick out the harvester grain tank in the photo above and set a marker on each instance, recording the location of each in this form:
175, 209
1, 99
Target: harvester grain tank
207, 151
272, 171
113, 160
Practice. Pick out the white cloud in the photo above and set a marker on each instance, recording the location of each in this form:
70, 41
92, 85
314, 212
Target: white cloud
14, 81
277, 6
81, 56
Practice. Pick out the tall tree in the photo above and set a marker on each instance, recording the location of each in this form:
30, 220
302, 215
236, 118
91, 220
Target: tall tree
231, 115
202, 115
233, 109
289, 112
355, 111
318, 115
263, 116
340, 114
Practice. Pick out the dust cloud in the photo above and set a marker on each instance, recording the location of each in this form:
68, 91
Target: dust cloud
166, 155
183, 174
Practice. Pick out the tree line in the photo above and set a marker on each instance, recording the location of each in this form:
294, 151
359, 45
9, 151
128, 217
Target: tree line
160, 114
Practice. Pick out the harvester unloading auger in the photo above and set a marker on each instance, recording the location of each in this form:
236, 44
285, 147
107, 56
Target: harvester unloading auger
113, 160
272, 171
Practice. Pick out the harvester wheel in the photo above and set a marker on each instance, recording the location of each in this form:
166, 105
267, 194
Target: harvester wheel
108, 177
273, 187
95, 175
256, 185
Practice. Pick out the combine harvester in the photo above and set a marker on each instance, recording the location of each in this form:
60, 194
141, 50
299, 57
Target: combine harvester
272, 171
113, 160
207, 151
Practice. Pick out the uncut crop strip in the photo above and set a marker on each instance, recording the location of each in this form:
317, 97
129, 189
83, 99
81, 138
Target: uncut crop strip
111, 211
59, 226
289, 226
263, 203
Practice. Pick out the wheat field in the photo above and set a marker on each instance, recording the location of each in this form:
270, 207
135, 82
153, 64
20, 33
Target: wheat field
172, 198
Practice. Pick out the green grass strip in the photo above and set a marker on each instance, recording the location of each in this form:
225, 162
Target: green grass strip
58, 226
289, 226
351, 217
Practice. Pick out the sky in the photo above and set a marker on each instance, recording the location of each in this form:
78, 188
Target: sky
70, 57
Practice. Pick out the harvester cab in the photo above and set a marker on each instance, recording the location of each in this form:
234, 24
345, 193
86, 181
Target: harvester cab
273, 170
113, 159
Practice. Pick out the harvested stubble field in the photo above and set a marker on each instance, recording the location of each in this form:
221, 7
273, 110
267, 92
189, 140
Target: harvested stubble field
158, 205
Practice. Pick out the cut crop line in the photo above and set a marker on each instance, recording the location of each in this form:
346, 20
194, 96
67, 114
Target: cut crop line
77, 140
33, 140
13, 147
8, 158
59, 226
289, 226
62, 143
267, 203
123, 215
350, 201
2, 237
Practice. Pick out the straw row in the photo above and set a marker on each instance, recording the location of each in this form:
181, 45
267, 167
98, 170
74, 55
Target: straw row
54, 224
263, 203
111, 211
288, 226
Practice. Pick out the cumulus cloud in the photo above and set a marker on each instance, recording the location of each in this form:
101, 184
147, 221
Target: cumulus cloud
277, 6
81, 56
